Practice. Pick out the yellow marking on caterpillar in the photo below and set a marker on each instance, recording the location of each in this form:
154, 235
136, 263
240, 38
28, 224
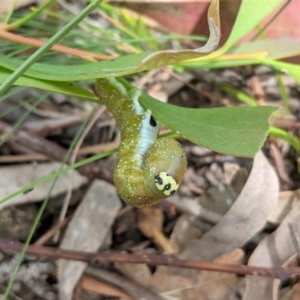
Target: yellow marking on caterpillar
166, 183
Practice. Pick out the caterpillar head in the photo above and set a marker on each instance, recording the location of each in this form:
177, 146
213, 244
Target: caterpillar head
163, 169
165, 165
149, 169
166, 183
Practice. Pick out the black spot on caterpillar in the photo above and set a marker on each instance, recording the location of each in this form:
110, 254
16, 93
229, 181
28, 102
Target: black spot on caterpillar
148, 169
153, 122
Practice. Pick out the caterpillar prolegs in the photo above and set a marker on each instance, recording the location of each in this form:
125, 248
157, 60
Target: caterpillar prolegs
148, 169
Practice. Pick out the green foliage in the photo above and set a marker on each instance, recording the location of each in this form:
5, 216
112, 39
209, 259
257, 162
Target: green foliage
237, 130
219, 129
57, 77
248, 18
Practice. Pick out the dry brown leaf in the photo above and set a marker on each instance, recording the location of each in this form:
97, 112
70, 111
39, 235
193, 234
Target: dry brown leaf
217, 285
191, 284
44, 125
284, 205
87, 231
245, 218
235, 177
15, 177
272, 251
94, 285
194, 208
16, 221
184, 231
296, 291
140, 273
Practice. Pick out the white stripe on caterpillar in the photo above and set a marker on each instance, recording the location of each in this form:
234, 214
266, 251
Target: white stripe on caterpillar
148, 169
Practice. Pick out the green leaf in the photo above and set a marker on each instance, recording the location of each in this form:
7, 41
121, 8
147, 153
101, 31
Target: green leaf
110, 68
122, 65
292, 69
287, 136
58, 87
19, 71
273, 48
238, 131
251, 12
254, 52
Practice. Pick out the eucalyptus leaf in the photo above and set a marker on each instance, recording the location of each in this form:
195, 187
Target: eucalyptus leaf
251, 12
54, 86
238, 131
122, 65
134, 63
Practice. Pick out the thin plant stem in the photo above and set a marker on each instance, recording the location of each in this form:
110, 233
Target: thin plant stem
287, 2
289, 137
64, 170
284, 93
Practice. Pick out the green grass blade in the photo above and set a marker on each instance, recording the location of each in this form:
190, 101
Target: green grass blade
55, 176
54, 39
122, 65
53, 86
51, 176
287, 136
292, 69
238, 94
32, 14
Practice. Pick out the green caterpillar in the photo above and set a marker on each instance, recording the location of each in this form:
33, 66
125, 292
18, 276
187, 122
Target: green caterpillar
148, 169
